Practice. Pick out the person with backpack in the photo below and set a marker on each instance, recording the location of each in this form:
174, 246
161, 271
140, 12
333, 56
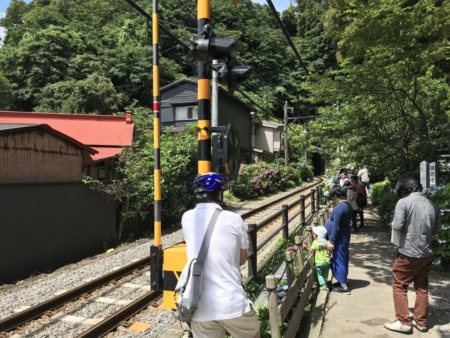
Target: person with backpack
361, 198
364, 177
351, 199
223, 305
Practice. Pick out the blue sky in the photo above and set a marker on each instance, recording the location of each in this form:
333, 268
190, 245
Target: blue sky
280, 5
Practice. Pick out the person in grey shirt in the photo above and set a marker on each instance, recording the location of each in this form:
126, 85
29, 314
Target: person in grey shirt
416, 222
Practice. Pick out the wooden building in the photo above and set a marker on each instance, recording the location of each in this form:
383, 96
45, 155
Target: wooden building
36, 153
106, 135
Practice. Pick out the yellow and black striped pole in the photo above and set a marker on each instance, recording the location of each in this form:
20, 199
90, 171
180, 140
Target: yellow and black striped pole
156, 257
204, 93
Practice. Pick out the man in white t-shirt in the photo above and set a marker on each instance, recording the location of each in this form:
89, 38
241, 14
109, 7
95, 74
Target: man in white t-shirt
223, 304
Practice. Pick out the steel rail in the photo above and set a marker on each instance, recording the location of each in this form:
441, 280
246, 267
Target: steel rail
247, 214
38, 310
111, 322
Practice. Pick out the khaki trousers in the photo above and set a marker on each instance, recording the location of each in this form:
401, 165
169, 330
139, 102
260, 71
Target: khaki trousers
245, 326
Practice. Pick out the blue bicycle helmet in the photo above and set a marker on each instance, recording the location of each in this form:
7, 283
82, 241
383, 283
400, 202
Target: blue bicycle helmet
207, 182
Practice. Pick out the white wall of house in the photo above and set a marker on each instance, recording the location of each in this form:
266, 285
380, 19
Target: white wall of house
266, 139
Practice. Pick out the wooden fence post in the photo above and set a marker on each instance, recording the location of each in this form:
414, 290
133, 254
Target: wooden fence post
253, 261
298, 245
285, 221
321, 217
315, 221
271, 285
302, 211
318, 197
310, 240
313, 200
290, 271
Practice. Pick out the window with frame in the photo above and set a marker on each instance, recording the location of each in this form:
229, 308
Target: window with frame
186, 113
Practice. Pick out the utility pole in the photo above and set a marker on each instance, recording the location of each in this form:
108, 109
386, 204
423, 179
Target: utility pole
286, 148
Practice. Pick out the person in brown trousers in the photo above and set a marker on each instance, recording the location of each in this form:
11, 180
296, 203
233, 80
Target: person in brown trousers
415, 224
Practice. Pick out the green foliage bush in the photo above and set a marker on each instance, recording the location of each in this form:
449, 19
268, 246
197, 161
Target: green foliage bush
263, 178
441, 196
179, 163
306, 171
385, 199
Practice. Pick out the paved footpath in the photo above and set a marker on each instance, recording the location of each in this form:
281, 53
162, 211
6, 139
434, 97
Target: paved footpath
370, 305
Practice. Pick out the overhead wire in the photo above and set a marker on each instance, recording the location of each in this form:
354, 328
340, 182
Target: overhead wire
281, 100
286, 34
167, 31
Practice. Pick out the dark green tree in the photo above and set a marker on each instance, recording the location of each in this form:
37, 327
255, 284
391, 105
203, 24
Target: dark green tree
393, 92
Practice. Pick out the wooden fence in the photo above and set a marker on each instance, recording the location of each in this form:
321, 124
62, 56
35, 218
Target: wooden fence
298, 296
286, 314
303, 217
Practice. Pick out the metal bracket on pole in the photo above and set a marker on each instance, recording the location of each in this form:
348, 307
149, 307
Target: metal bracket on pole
156, 268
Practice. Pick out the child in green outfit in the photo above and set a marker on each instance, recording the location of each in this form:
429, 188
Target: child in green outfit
321, 255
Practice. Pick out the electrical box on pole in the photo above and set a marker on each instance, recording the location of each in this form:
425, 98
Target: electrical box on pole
226, 151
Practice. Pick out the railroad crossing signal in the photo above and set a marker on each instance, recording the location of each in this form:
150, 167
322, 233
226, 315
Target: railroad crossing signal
206, 49
233, 75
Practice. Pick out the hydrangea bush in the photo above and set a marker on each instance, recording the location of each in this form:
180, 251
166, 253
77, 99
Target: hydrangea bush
441, 196
329, 183
261, 179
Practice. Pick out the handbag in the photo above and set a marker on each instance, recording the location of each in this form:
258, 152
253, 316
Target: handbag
190, 281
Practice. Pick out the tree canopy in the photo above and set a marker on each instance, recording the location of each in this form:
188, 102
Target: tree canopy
377, 81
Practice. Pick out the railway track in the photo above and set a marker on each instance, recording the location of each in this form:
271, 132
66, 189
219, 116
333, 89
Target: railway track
60, 307
68, 306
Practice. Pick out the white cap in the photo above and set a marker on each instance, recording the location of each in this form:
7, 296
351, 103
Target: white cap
320, 231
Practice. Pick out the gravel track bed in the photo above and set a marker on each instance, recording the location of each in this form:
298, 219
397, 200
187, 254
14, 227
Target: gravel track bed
35, 290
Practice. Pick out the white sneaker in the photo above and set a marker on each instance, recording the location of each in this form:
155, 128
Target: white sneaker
418, 327
399, 327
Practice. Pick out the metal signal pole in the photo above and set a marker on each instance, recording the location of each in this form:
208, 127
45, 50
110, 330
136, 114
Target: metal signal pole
204, 91
156, 256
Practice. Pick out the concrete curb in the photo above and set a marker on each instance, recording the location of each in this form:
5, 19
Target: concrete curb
318, 315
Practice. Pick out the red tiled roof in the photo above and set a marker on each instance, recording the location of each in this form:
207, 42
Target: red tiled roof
101, 132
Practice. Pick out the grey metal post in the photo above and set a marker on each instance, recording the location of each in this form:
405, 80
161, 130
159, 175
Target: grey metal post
424, 175
286, 150
214, 97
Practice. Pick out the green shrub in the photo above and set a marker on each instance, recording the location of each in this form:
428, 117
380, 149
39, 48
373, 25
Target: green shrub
306, 171
385, 199
441, 196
